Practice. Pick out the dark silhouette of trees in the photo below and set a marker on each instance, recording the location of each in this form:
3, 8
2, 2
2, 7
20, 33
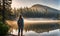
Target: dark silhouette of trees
5, 8
32, 13
36, 13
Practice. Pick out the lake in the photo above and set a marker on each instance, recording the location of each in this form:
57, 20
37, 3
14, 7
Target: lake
36, 26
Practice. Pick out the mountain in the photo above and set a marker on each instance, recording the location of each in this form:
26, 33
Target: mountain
41, 11
42, 8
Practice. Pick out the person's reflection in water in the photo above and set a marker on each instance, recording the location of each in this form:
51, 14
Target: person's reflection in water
20, 25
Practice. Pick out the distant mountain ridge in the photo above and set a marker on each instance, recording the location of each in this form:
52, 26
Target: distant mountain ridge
43, 8
38, 5
41, 11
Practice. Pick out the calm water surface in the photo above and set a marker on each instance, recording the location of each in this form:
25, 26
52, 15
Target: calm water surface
34, 31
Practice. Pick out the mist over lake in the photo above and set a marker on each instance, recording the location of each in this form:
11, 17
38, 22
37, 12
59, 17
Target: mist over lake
37, 27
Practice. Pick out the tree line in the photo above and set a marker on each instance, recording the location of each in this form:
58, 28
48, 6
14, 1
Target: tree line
31, 13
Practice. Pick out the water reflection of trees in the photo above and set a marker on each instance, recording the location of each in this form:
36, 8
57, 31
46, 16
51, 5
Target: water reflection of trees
41, 27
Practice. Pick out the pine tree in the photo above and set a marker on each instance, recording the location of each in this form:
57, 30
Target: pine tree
6, 6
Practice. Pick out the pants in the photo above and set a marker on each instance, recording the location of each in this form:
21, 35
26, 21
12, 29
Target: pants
20, 31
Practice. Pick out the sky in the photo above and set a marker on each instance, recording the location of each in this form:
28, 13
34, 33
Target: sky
28, 3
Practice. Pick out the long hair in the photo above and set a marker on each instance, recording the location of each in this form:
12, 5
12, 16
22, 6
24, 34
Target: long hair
20, 19
20, 16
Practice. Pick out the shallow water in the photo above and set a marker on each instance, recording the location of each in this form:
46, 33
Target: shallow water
32, 33
35, 21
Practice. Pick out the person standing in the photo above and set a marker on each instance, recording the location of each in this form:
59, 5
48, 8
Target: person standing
20, 25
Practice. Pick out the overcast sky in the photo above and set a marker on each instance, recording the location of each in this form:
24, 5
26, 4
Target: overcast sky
28, 3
